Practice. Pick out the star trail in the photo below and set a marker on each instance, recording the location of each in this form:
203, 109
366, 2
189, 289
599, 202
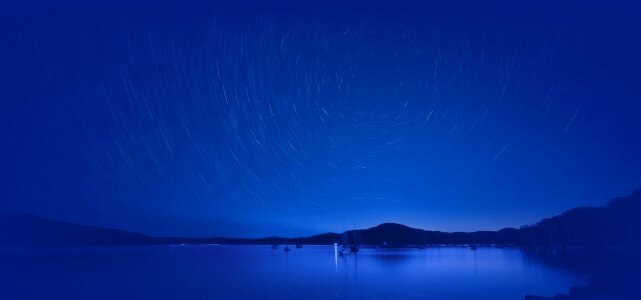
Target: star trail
295, 119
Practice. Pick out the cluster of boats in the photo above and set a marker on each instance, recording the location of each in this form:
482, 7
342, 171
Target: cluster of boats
286, 247
346, 249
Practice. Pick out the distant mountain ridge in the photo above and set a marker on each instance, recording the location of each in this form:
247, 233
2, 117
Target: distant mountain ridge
27, 229
616, 224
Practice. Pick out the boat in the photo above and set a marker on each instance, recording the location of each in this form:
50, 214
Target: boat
286, 249
299, 245
346, 248
275, 246
473, 247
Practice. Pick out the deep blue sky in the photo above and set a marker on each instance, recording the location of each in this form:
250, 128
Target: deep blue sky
253, 120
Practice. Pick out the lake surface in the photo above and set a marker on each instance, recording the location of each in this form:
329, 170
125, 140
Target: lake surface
258, 272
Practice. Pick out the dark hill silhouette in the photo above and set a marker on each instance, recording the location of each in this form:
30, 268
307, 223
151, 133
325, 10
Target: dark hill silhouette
614, 226
393, 234
390, 233
26, 229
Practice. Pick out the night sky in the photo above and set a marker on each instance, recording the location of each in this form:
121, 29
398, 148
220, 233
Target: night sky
283, 119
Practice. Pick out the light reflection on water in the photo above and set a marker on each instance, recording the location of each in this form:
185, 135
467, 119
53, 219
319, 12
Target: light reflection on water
259, 272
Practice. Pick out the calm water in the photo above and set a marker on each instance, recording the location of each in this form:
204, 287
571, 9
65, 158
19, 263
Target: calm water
258, 272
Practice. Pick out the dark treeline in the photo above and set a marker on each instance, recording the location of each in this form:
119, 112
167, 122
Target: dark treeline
614, 227
603, 240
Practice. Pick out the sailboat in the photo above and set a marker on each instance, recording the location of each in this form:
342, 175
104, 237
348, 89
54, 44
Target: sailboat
354, 247
344, 249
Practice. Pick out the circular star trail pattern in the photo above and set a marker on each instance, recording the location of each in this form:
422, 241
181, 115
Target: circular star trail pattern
249, 122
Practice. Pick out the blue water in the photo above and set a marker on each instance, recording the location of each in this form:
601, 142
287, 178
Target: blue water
258, 272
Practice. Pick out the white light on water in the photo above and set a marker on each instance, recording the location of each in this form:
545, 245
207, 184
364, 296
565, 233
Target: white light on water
336, 256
